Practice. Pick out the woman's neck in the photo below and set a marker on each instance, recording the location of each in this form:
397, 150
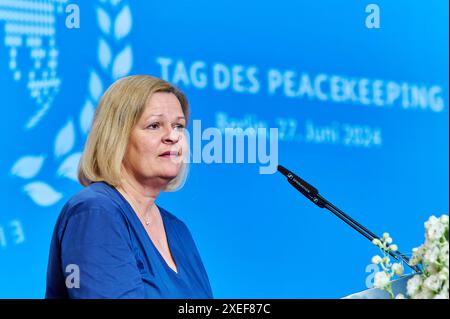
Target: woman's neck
141, 196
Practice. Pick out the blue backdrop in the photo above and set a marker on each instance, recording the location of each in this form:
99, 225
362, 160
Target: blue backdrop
361, 108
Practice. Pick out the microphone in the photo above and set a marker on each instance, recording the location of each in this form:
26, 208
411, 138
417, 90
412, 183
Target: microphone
302, 186
313, 195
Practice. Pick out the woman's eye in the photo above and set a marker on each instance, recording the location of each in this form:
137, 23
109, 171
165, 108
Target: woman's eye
153, 126
179, 126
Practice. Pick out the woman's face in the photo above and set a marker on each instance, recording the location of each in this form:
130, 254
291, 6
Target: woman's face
157, 143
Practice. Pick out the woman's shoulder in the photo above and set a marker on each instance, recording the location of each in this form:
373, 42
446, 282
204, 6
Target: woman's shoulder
94, 203
96, 196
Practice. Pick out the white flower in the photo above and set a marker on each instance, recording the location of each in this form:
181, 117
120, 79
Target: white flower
376, 260
431, 221
398, 269
444, 289
381, 280
431, 255
433, 283
444, 253
433, 268
424, 293
393, 247
418, 254
414, 261
444, 272
376, 242
443, 276
444, 219
435, 231
414, 285
442, 295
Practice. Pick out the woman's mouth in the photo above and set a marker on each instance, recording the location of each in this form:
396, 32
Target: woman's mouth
170, 154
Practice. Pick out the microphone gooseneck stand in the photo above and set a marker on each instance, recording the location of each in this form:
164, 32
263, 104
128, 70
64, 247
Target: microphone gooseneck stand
312, 194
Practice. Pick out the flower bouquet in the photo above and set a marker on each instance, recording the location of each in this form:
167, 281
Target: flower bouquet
432, 258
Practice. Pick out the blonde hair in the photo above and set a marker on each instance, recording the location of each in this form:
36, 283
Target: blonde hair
120, 108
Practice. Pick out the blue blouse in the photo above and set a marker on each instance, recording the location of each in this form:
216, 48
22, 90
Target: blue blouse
102, 250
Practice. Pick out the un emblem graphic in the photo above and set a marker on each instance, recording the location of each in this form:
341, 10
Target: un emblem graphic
30, 27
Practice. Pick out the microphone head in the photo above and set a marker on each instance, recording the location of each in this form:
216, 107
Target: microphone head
283, 170
292, 178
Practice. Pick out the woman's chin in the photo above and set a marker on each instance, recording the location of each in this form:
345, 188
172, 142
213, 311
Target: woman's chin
170, 172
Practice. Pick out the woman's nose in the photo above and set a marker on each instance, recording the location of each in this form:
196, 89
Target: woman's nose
171, 135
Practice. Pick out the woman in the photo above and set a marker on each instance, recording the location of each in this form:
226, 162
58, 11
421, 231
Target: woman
111, 239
